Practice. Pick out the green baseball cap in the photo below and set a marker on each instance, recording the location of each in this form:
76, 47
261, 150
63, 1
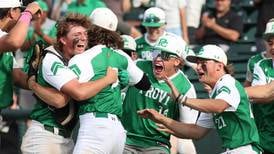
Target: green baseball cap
154, 17
43, 5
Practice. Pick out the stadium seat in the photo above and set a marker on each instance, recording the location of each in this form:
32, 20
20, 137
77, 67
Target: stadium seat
242, 49
249, 36
252, 18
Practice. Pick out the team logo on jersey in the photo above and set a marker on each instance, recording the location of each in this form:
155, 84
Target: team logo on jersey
163, 42
55, 66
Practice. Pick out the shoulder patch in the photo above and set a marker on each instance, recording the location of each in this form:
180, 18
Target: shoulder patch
75, 69
224, 89
55, 66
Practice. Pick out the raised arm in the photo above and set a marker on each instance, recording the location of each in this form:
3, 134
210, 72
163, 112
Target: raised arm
16, 36
178, 129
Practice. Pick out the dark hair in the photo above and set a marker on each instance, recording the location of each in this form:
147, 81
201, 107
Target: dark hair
64, 25
4, 12
229, 69
98, 35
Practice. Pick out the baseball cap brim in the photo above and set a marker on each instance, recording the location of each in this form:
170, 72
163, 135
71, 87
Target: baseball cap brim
194, 59
267, 36
152, 24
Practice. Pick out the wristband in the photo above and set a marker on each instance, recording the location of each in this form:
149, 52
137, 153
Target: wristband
25, 17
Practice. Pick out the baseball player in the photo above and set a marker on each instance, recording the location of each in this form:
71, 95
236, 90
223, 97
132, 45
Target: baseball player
46, 134
100, 128
142, 135
14, 22
263, 74
154, 21
130, 46
255, 59
228, 108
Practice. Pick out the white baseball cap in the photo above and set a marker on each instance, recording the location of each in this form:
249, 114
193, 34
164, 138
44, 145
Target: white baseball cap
129, 42
105, 18
10, 3
269, 30
212, 52
170, 44
154, 17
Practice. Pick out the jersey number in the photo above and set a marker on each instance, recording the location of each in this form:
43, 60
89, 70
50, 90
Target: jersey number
220, 122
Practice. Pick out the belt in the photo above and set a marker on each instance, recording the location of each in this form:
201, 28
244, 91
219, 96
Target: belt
105, 115
57, 131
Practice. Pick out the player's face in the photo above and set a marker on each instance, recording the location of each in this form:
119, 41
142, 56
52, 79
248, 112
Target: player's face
222, 5
165, 64
206, 70
14, 14
154, 33
75, 42
270, 47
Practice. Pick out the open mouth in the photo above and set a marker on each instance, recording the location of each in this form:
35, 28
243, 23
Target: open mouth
80, 46
158, 67
200, 74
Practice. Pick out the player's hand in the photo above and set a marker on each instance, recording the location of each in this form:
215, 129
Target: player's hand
31, 81
163, 128
123, 77
112, 75
151, 114
34, 9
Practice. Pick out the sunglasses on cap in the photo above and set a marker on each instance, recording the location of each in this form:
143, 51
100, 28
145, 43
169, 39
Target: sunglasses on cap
152, 19
163, 55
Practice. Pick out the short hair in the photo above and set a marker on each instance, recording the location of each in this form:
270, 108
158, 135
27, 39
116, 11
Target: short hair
64, 25
4, 12
98, 35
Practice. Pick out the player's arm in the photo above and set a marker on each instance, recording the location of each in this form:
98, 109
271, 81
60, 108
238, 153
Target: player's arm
51, 96
144, 83
136, 76
82, 91
261, 93
19, 78
13, 41
203, 105
178, 129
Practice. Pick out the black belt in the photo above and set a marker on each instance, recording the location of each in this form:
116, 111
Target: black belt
61, 132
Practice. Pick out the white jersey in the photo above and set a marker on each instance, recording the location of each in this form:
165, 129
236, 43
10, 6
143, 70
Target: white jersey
54, 71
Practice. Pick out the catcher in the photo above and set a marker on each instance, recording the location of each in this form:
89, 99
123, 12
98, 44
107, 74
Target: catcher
51, 127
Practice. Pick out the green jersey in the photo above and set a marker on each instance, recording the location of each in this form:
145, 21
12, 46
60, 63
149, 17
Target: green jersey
52, 73
6, 83
48, 28
142, 132
264, 113
92, 65
251, 63
86, 7
235, 126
